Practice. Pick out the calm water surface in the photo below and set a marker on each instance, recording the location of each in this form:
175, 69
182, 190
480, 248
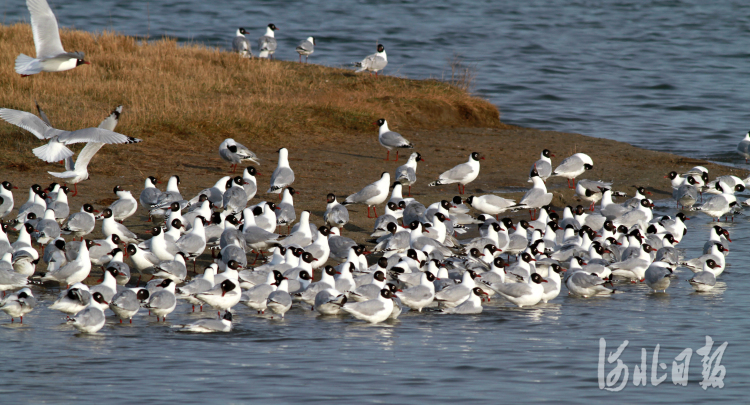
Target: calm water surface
665, 75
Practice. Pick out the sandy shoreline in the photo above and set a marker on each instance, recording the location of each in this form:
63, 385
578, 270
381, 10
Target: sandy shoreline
347, 163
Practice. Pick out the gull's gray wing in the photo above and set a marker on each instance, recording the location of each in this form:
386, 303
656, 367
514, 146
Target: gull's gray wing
367, 308
282, 177
370, 191
406, 174
394, 140
543, 168
536, 197
122, 207
89, 316
416, 293
515, 290
95, 135
338, 215
240, 43
126, 299
306, 47
29, 122
570, 164
45, 30
457, 173
161, 299
594, 185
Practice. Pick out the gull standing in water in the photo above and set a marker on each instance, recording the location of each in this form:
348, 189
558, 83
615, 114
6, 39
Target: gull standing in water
375, 62
374, 311
306, 47
223, 324
236, 153
126, 303
267, 43
50, 55
18, 304
283, 176
91, 319
391, 140
462, 174
373, 194
241, 45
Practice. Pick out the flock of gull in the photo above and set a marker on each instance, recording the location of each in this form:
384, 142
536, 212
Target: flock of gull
426, 256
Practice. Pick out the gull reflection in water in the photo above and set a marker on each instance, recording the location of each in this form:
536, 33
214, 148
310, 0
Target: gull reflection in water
380, 333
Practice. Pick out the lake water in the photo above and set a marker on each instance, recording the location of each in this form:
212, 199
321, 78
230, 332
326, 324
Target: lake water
665, 75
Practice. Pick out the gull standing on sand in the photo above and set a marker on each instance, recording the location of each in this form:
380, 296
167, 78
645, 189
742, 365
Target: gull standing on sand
537, 197
462, 174
7, 203
267, 43
306, 47
81, 223
335, 214
406, 174
284, 212
125, 206
150, 194
283, 176
77, 171
375, 62
373, 194
490, 204
56, 150
241, 45
391, 140
543, 166
165, 199
573, 166
236, 153
110, 227
50, 55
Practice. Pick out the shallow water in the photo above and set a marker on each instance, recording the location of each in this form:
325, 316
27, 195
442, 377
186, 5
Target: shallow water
665, 75
545, 353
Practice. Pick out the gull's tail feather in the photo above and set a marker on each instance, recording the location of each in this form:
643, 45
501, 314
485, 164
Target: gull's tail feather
26, 65
52, 152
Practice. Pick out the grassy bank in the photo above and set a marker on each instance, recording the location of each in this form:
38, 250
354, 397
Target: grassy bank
190, 93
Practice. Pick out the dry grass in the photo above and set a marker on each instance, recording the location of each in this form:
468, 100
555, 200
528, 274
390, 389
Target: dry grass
189, 95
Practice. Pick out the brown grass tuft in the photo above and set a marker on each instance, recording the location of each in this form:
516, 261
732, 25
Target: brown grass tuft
194, 96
